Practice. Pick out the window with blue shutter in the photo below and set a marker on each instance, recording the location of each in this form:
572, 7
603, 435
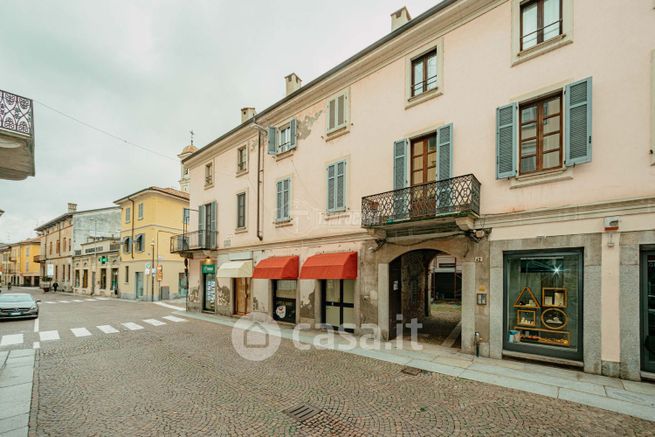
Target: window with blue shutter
506, 141
577, 131
400, 178
336, 185
445, 152
272, 139
283, 188
292, 132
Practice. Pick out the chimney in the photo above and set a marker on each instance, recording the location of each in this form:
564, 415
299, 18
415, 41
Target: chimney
247, 114
399, 18
72, 207
293, 83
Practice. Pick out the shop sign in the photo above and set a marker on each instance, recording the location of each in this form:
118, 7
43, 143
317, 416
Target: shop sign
209, 268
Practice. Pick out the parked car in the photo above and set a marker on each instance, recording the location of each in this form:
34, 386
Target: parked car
18, 306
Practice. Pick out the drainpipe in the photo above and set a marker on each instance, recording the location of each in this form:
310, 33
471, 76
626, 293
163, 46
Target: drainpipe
260, 182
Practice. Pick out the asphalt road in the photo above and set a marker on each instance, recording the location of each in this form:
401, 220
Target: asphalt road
111, 367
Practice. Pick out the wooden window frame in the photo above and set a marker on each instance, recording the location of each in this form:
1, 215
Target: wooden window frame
139, 209
425, 139
540, 22
424, 58
209, 174
539, 149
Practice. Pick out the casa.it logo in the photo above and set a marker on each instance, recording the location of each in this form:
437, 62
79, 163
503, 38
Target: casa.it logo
256, 337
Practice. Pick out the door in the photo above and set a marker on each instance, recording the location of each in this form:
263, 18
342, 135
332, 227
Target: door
209, 294
338, 303
181, 281
423, 165
138, 281
241, 296
114, 279
395, 294
284, 300
648, 310
93, 282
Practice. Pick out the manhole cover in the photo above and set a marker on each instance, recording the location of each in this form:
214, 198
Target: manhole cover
302, 412
411, 371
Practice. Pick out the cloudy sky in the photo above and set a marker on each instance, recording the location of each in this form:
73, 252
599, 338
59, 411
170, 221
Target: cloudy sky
148, 72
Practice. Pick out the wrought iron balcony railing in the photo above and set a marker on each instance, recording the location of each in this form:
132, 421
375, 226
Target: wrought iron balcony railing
196, 240
16, 114
455, 196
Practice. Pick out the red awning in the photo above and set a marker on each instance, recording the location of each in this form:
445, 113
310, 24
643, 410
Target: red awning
341, 265
277, 267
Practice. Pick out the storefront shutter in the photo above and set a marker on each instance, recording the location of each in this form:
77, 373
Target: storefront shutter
445, 152
272, 147
506, 141
292, 132
577, 128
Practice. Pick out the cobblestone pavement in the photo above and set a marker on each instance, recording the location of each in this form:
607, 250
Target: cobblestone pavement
186, 379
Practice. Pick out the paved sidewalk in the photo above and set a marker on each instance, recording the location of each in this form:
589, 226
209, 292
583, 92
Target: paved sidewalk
16, 373
626, 397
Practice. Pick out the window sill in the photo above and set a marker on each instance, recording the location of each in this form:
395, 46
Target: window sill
334, 215
241, 172
208, 186
542, 48
428, 95
561, 174
240, 230
283, 223
329, 136
286, 154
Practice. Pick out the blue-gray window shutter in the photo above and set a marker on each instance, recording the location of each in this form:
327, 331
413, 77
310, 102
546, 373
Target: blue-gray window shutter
506, 141
286, 187
331, 182
400, 176
340, 186
445, 152
212, 224
201, 225
272, 136
292, 133
577, 127
279, 195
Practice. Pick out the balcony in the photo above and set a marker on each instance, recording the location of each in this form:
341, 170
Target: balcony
434, 204
16, 137
38, 258
197, 240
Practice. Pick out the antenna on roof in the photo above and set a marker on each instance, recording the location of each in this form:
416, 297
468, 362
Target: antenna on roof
192, 134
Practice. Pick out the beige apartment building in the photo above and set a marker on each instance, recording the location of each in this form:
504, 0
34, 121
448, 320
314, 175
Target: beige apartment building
495, 154
23, 266
148, 269
63, 236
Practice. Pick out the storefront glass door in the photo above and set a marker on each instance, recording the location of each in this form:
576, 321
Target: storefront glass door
209, 298
648, 310
338, 303
138, 277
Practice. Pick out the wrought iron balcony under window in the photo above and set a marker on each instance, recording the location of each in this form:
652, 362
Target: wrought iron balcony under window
16, 114
196, 240
455, 196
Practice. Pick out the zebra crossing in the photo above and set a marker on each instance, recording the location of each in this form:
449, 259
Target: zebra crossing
92, 299
82, 332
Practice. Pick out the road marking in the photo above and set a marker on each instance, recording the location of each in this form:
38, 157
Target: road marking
36, 325
107, 329
36, 345
49, 335
103, 298
80, 332
63, 301
173, 307
50, 302
77, 300
90, 300
154, 322
11, 339
174, 319
132, 326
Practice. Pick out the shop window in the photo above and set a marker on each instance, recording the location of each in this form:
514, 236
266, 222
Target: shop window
284, 300
543, 303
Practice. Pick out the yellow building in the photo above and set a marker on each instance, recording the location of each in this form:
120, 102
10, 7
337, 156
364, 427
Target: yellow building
22, 268
148, 270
